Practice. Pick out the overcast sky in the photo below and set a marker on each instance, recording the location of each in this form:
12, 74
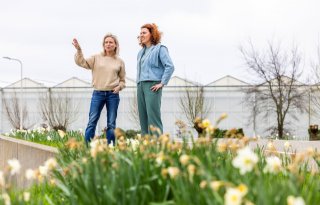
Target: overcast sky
202, 36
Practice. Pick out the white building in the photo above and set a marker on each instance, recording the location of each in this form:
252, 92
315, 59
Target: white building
225, 95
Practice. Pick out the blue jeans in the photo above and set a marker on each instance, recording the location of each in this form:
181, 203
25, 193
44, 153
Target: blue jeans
98, 100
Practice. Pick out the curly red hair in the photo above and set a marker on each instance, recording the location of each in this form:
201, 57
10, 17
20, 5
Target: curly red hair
155, 33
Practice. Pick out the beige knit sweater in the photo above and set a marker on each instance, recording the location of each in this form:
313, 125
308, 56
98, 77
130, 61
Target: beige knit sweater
107, 72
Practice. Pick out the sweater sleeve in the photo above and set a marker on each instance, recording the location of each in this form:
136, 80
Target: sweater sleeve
82, 62
122, 76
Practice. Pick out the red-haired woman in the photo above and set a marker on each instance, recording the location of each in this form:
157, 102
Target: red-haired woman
154, 70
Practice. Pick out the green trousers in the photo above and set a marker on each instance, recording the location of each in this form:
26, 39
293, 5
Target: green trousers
149, 104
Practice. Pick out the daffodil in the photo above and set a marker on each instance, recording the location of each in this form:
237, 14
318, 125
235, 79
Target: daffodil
173, 172
97, 146
232, 197
273, 165
160, 158
30, 174
243, 189
6, 199
184, 159
26, 196
206, 123
51, 163
191, 169
245, 160
14, 166
291, 200
133, 143
222, 147
222, 117
61, 133
215, 185
164, 172
203, 184
43, 170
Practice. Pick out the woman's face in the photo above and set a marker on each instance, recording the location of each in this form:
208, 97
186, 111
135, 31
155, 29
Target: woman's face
145, 36
109, 44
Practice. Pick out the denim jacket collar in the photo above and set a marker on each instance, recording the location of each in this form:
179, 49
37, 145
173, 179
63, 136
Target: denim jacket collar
154, 53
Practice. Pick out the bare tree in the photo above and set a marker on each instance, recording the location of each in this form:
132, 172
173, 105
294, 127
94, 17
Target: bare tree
277, 91
12, 109
193, 104
58, 110
314, 104
315, 89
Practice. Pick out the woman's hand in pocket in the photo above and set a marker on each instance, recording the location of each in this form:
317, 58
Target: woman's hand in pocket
156, 87
116, 89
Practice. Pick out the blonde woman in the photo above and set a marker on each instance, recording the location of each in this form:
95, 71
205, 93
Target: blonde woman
108, 79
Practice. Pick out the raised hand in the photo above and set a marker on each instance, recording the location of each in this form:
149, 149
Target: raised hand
75, 43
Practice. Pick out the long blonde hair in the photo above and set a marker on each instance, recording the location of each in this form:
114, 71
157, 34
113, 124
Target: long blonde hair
117, 49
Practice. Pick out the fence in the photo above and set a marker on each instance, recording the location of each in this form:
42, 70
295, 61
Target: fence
222, 99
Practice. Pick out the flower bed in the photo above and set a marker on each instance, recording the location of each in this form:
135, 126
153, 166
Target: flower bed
159, 171
46, 136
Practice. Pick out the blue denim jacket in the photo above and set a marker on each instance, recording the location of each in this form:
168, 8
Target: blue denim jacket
157, 66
